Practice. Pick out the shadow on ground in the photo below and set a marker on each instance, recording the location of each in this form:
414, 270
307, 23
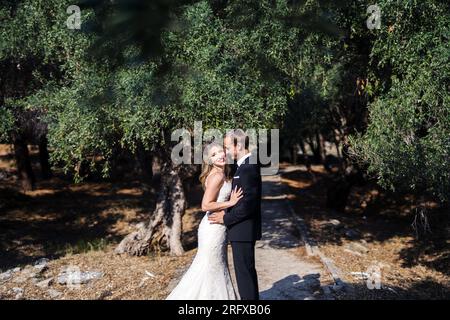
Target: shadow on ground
61, 217
293, 287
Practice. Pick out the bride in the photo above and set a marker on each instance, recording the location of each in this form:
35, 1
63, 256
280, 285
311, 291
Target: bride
208, 277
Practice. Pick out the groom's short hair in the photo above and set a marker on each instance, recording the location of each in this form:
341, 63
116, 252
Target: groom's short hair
238, 136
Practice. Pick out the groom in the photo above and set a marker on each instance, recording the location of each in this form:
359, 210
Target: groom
243, 221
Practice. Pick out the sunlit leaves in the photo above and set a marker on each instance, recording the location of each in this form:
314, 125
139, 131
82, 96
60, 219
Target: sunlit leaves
407, 143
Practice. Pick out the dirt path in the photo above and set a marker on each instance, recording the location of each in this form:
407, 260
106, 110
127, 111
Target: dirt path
283, 272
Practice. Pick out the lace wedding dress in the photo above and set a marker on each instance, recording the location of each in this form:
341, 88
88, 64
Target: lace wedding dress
208, 277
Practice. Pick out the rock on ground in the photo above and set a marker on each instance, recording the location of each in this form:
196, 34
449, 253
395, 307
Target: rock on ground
18, 292
44, 283
54, 293
81, 277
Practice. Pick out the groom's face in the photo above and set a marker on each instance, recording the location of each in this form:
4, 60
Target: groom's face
230, 149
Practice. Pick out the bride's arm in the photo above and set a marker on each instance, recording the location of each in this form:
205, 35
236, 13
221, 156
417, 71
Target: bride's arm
209, 203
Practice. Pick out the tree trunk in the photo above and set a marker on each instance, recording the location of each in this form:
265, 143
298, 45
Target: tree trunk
81, 169
338, 193
294, 154
319, 151
165, 225
305, 155
145, 161
306, 159
339, 190
312, 142
44, 158
24, 169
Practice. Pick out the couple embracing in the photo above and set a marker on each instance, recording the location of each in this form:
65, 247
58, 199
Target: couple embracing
233, 214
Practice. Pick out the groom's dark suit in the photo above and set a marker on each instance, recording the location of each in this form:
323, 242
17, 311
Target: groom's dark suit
243, 222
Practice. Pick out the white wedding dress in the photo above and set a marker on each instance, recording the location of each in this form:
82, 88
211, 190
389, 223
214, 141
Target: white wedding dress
208, 277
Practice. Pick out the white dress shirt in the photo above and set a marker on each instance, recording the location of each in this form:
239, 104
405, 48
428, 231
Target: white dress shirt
242, 159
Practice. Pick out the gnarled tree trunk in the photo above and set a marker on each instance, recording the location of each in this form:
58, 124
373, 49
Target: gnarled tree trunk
23, 162
165, 225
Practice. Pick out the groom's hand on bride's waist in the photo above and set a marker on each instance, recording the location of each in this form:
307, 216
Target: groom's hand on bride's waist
216, 217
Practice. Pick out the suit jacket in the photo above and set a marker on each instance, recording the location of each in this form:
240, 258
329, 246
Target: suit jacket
243, 220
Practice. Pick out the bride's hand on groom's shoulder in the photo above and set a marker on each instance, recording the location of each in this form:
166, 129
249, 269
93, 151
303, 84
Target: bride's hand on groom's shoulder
216, 217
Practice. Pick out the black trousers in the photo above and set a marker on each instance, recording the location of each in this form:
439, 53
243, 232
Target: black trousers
244, 267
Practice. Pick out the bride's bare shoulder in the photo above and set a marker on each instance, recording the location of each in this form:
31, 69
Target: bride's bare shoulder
214, 179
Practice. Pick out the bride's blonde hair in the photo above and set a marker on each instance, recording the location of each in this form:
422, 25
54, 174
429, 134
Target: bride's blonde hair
207, 164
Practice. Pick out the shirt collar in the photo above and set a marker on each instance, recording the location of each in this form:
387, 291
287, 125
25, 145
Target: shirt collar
242, 159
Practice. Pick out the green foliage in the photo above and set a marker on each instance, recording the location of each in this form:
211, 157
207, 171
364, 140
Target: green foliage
6, 123
404, 136
208, 72
407, 143
248, 64
223, 83
39, 55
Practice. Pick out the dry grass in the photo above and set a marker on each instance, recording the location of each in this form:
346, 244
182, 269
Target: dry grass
124, 277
